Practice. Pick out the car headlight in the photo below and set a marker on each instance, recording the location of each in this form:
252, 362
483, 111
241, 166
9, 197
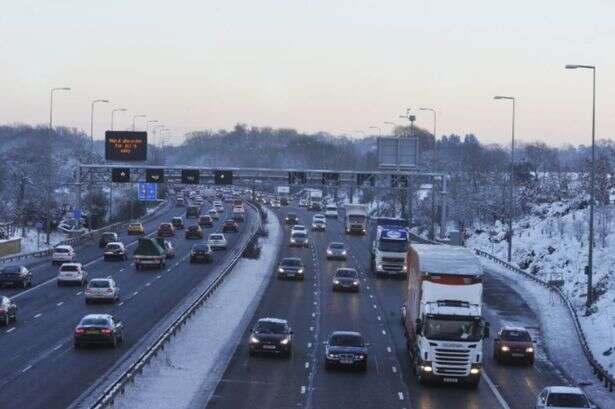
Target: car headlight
344, 253
474, 371
529, 349
300, 271
360, 356
378, 266
292, 240
404, 268
329, 252
505, 348
280, 270
355, 282
331, 356
306, 241
254, 340
336, 281
285, 341
426, 368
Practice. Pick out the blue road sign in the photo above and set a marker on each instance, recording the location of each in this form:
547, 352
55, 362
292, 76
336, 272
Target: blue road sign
77, 214
148, 191
39, 226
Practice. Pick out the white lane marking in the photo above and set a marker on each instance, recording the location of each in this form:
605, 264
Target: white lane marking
158, 276
37, 315
121, 269
60, 303
384, 332
309, 345
313, 314
495, 391
389, 349
302, 390
79, 293
371, 296
400, 395
379, 318
375, 306
311, 328
26, 369
135, 293
148, 284
394, 369
122, 303
307, 365
10, 330
58, 347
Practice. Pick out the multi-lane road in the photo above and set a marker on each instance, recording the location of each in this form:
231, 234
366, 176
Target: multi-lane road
314, 311
41, 368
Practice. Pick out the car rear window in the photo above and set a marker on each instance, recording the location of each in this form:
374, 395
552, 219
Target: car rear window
216, 237
346, 341
201, 247
291, 262
62, 250
516, 336
69, 268
337, 246
99, 322
11, 269
567, 400
269, 327
99, 284
108, 235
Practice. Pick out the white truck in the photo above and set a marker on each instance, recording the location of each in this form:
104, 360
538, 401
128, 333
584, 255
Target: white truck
315, 199
283, 194
442, 314
355, 219
389, 250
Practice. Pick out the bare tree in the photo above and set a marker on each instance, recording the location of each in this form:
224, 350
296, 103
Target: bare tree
604, 218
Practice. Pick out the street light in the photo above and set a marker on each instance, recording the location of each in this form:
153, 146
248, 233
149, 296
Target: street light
512, 174
50, 158
432, 231
590, 261
92, 124
133, 120
113, 113
151, 121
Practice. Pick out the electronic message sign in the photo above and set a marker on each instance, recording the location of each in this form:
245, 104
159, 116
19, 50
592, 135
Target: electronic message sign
125, 146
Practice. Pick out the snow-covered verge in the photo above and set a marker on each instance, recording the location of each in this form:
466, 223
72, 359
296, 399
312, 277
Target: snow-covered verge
34, 241
188, 370
551, 244
558, 333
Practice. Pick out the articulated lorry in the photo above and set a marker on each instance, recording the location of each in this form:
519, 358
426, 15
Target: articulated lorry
442, 314
355, 219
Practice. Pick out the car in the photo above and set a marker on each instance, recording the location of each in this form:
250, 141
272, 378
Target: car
275, 203
299, 228
218, 206
331, 211
115, 250
559, 397
238, 215
346, 279
291, 218
135, 228
336, 251
303, 203
213, 213
230, 225
15, 275
72, 273
217, 241
102, 289
193, 212
98, 329
347, 349
107, 237
206, 221
63, 254
180, 202
272, 336
178, 223
194, 232
319, 223
167, 245
291, 267
166, 230
299, 239
8, 311
513, 343
201, 252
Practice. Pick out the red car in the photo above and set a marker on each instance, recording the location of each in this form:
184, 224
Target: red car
206, 221
513, 343
165, 230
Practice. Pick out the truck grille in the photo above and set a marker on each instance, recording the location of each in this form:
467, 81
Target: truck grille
452, 362
392, 260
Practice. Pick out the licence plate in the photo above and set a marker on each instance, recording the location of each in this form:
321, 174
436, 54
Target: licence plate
268, 346
290, 274
517, 355
92, 331
450, 380
346, 361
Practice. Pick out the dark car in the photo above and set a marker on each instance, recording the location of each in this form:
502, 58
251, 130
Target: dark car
271, 335
8, 311
99, 329
346, 279
106, 238
230, 225
336, 251
345, 348
15, 276
206, 221
513, 343
201, 252
194, 232
165, 230
291, 218
291, 267
178, 223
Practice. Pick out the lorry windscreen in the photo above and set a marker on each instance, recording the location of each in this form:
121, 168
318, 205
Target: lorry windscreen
353, 218
452, 330
393, 246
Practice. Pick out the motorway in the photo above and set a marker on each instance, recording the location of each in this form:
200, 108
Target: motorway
314, 311
40, 367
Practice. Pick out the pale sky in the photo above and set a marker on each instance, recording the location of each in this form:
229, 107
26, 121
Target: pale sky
321, 65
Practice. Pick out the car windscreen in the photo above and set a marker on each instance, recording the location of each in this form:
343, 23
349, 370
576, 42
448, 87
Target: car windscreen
516, 336
99, 284
567, 400
299, 235
345, 273
112, 247
98, 322
270, 327
330, 208
337, 246
346, 341
291, 262
292, 216
11, 269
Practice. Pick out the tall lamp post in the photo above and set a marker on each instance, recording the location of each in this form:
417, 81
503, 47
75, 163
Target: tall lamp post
134, 117
512, 174
590, 261
432, 231
50, 158
96, 101
113, 114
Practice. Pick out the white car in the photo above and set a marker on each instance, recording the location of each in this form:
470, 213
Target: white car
72, 273
560, 397
298, 228
214, 214
303, 203
219, 207
319, 222
275, 203
217, 241
102, 289
63, 254
331, 211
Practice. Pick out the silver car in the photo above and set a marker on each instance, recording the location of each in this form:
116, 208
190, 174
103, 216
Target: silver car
102, 289
336, 251
299, 239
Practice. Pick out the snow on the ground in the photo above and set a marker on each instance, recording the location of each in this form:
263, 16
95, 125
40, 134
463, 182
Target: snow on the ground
558, 333
551, 243
188, 370
29, 242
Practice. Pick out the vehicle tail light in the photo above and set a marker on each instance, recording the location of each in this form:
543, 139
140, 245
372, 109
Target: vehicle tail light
88, 290
109, 290
79, 331
105, 331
